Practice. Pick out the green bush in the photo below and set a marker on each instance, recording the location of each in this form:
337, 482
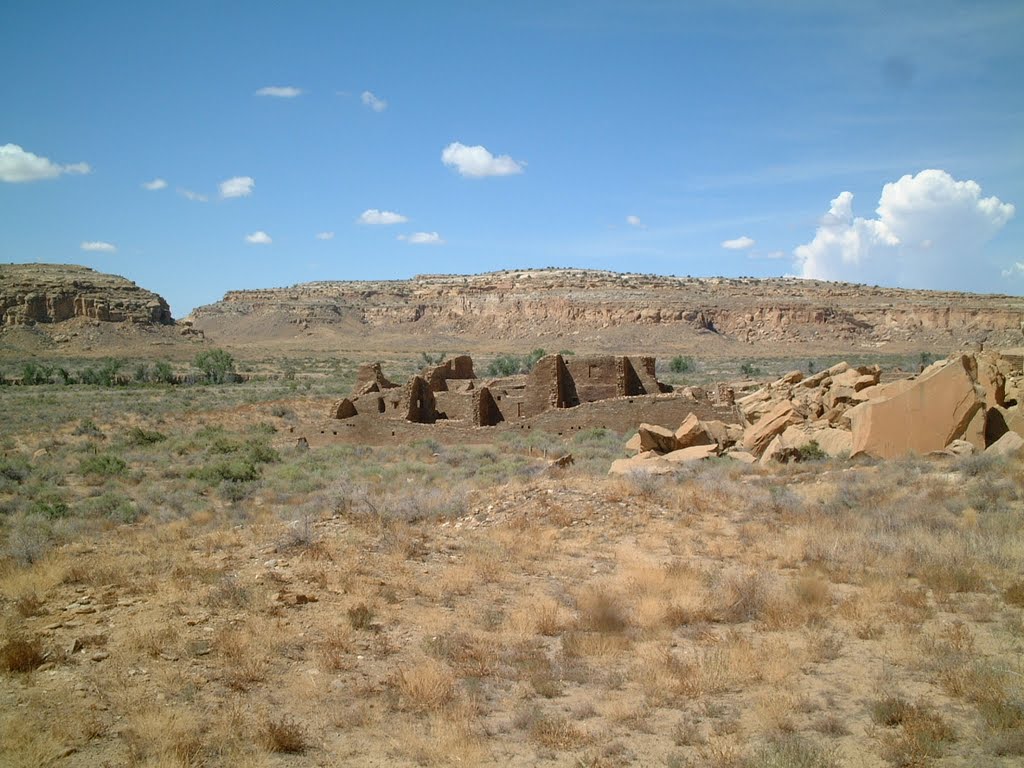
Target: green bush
682, 364
33, 374
113, 506
217, 366
510, 365
14, 470
234, 470
102, 465
749, 369
811, 452
50, 506
140, 436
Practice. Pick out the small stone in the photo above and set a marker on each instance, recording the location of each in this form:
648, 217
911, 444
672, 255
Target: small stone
100, 655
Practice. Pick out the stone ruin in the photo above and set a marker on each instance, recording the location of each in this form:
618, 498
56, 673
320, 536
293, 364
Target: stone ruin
452, 391
958, 406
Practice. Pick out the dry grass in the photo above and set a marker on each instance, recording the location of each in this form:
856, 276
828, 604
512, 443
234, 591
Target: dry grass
732, 618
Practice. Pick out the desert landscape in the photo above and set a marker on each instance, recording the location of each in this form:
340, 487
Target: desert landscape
538, 517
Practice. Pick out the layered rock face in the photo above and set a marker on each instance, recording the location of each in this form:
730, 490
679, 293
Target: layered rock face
52, 293
522, 304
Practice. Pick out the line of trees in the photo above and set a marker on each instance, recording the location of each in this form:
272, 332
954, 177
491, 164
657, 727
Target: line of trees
212, 366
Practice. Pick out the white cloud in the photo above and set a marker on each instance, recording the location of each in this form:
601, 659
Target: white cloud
17, 165
373, 102
929, 233
1015, 270
188, 194
739, 244
238, 186
280, 91
324, 235
477, 161
634, 221
373, 216
98, 245
259, 237
422, 238
154, 185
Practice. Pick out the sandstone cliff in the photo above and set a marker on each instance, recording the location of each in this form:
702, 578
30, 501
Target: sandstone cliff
52, 293
593, 305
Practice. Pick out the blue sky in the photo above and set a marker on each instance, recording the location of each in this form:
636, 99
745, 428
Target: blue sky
635, 136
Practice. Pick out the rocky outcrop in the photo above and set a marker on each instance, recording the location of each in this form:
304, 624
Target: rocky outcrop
956, 407
938, 409
525, 304
53, 293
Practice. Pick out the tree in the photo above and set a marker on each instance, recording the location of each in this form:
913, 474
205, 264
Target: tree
217, 365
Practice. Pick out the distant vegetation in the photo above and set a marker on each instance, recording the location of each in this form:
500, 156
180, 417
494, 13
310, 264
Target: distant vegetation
682, 364
510, 365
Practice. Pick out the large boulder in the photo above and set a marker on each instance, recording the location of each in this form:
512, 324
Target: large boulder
693, 453
928, 416
1010, 444
647, 463
692, 432
832, 442
655, 438
757, 437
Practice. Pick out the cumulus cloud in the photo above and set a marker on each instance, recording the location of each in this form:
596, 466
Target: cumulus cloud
634, 221
477, 161
373, 216
259, 237
422, 238
739, 244
154, 185
238, 186
98, 245
188, 194
17, 165
280, 91
375, 103
929, 233
324, 235
1014, 270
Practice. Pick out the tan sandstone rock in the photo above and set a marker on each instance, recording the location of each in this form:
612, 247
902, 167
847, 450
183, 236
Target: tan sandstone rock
928, 416
655, 438
757, 437
693, 453
692, 432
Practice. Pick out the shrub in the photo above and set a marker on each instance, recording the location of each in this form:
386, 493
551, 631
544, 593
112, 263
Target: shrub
88, 428
13, 470
217, 366
140, 436
793, 751
510, 365
811, 452
682, 364
235, 470
113, 506
21, 655
284, 735
33, 374
49, 506
100, 465
749, 369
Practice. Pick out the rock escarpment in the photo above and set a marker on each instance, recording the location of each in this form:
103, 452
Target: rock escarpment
524, 304
53, 293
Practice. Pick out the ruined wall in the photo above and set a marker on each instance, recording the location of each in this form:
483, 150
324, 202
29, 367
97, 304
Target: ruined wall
596, 377
370, 378
644, 367
548, 385
486, 412
455, 405
458, 368
419, 402
344, 409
